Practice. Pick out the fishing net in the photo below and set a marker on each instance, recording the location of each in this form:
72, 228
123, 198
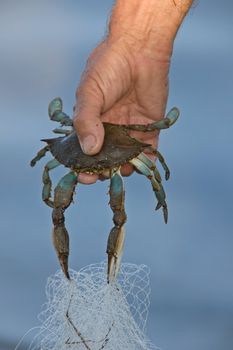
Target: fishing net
88, 313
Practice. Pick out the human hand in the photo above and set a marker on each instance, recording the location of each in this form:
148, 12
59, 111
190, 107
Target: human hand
125, 82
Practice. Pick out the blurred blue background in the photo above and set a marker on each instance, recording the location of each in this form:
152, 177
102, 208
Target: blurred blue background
44, 46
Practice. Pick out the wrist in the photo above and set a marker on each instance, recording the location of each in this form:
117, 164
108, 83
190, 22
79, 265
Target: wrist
148, 24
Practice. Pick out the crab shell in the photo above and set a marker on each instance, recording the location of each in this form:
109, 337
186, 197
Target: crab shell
118, 148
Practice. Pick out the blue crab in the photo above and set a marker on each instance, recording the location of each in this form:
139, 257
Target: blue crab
118, 148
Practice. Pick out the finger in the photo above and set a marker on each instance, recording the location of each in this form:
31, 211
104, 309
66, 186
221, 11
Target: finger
151, 138
150, 155
127, 170
87, 179
87, 121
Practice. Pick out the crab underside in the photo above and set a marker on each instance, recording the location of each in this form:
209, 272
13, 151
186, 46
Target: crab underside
118, 149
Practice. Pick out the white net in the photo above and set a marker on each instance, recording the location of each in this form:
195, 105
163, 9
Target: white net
88, 313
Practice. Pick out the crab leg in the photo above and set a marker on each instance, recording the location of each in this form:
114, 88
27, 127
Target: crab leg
46, 192
40, 154
151, 165
157, 187
164, 123
160, 195
56, 114
62, 131
161, 160
116, 237
63, 195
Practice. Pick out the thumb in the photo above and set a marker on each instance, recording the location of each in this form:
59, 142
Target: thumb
87, 123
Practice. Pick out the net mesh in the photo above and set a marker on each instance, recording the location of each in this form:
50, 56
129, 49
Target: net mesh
88, 313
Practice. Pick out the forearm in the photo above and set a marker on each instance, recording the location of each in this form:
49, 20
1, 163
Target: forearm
154, 22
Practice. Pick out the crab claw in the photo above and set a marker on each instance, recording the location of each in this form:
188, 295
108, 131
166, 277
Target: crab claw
61, 244
63, 195
117, 235
115, 250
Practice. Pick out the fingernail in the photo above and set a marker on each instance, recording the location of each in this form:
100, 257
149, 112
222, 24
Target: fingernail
88, 144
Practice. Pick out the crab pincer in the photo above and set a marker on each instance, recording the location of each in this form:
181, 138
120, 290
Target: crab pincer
116, 237
63, 195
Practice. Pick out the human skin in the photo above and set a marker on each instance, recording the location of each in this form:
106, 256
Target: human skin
126, 76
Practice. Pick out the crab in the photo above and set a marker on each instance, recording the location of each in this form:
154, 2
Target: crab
118, 149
